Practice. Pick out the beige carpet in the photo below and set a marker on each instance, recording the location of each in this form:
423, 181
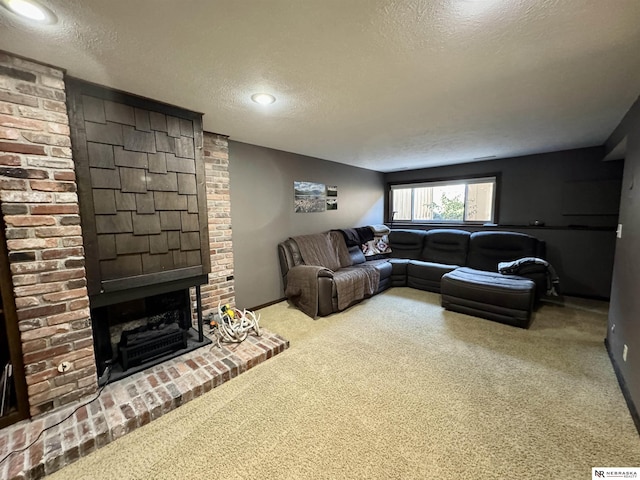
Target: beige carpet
396, 387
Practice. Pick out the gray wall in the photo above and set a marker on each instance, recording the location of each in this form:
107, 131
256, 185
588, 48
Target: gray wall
262, 212
624, 310
574, 192
544, 186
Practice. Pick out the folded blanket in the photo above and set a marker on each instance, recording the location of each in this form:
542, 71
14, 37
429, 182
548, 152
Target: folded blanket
380, 229
525, 265
365, 234
351, 237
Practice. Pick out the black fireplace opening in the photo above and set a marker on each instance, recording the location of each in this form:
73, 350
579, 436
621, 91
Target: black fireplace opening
136, 334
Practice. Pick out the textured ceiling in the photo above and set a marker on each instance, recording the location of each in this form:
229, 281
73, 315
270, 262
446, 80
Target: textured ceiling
385, 85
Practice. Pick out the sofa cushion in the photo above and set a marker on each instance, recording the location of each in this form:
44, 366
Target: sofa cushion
356, 255
428, 270
407, 243
398, 271
399, 265
426, 275
448, 246
487, 249
384, 268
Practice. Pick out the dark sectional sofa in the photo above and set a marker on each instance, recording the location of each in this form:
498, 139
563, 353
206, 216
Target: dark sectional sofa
463, 267
460, 265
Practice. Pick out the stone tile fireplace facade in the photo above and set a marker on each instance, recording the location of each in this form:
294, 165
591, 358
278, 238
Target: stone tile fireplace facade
44, 238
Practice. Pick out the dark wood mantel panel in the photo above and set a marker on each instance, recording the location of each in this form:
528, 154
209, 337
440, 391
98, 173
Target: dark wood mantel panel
141, 186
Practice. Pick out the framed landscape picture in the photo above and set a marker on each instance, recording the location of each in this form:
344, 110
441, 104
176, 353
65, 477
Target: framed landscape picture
310, 197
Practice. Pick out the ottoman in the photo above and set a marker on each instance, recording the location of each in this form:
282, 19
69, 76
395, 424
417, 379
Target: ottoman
503, 298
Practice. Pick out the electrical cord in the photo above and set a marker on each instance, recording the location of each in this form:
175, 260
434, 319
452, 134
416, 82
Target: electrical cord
61, 421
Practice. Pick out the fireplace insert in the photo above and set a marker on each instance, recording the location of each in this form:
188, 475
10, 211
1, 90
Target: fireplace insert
135, 334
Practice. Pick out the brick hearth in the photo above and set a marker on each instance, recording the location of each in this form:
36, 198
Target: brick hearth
126, 405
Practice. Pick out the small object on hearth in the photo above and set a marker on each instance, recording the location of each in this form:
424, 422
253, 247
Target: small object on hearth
227, 310
234, 325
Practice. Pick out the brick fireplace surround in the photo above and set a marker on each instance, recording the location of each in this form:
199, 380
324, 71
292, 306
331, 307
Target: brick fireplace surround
38, 193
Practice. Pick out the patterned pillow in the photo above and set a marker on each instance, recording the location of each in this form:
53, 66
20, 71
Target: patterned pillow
377, 246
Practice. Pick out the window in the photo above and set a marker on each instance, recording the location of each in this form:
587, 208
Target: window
464, 201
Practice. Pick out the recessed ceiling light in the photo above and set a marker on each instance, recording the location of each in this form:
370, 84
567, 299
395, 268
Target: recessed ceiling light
30, 10
263, 98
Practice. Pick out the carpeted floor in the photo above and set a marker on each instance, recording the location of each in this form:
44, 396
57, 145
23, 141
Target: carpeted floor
396, 387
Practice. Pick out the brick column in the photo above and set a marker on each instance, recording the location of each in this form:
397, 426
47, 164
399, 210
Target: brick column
221, 283
44, 238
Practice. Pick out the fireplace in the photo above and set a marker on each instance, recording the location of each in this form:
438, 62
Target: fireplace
137, 333
109, 162
143, 208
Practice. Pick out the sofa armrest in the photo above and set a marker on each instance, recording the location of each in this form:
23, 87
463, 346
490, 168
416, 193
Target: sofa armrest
302, 286
309, 271
324, 273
